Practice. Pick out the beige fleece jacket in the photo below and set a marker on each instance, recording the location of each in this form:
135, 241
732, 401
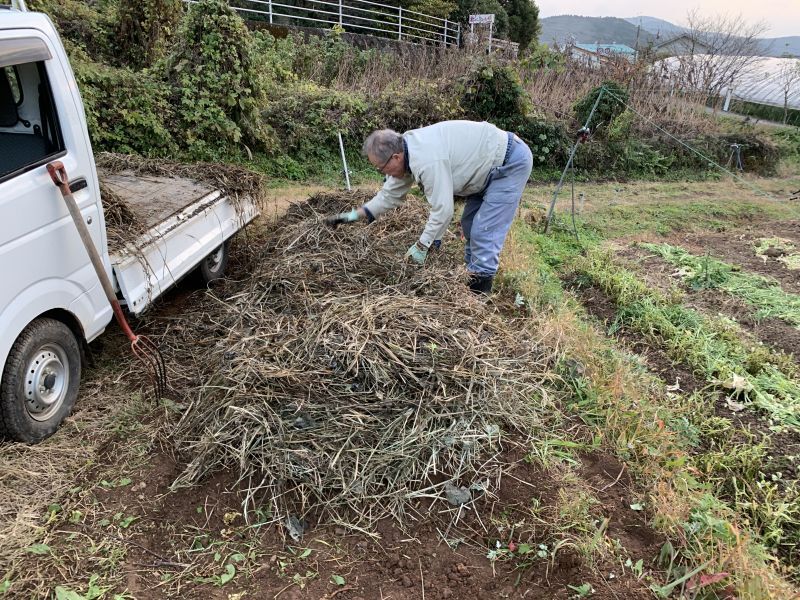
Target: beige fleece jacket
451, 158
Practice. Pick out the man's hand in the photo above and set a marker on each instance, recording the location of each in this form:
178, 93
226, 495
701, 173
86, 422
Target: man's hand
418, 253
346, 217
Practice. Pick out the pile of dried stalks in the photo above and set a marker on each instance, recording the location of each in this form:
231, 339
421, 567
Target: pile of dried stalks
233, 180
340, 382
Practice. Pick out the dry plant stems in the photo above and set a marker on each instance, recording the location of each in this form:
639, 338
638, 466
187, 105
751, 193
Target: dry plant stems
233, 180
414, 62
554, 92
122, 224
342, 383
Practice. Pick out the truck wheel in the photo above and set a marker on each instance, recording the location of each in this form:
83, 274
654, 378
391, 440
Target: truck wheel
40, 381
213, 265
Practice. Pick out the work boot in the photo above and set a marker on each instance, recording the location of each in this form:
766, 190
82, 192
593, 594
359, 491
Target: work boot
481, 284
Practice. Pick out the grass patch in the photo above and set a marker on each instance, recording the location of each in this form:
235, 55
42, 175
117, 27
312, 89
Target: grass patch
704, 272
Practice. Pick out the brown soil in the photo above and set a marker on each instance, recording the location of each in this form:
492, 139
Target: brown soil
398, 563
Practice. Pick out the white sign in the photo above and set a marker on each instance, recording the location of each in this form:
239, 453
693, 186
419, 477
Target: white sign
475, 19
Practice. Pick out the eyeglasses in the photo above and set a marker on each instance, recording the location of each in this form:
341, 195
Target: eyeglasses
383, 166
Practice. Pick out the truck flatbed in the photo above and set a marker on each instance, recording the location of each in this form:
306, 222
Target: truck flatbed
178, 221
152, 199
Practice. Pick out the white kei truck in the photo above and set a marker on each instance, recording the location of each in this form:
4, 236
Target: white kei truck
51, 301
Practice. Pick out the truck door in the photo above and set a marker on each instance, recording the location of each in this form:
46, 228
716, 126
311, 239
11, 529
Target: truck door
43, 264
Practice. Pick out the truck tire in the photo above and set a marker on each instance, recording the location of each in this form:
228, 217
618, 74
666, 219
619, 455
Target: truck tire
214, 265
40, 381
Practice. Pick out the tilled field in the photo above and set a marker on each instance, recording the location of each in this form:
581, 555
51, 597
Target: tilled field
714, 314
341, 424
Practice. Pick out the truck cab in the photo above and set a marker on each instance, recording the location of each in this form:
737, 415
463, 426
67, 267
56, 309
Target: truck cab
51, 300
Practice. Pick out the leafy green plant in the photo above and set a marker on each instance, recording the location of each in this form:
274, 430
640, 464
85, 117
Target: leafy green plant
215, 84
135, 121
613, 100
306, 118
494, 92
144, 29
402, 106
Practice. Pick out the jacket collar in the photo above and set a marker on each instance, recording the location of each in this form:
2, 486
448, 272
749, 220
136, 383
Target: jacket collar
405, 157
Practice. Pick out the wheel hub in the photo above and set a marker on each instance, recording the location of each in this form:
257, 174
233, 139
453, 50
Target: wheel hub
214, 259
46, 382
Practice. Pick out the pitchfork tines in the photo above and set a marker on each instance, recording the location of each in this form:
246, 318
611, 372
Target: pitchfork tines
147, 352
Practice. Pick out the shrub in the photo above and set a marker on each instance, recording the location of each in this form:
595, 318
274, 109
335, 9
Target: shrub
402, 106
126, 111
306, 118
611, 105
143, 29
322, 58
80, 25
494, 93
548, 141
216, 84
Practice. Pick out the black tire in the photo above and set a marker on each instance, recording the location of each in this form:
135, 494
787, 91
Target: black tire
40, 381
214, 265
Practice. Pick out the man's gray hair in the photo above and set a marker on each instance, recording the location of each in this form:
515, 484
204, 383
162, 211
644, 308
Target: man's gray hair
381, 144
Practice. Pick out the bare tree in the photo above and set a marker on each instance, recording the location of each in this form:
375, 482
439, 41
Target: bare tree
789, 81
718, 50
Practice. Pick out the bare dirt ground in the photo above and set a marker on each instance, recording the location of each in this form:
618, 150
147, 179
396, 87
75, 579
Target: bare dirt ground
110, 523
396, 562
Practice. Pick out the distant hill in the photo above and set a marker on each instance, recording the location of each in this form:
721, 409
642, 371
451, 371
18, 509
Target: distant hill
660, 27
610, 30
591, 30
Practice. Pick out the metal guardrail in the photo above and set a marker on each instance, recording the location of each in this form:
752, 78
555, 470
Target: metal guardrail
357, 16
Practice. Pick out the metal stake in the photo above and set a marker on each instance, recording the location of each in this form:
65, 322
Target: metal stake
344, 161
569, 162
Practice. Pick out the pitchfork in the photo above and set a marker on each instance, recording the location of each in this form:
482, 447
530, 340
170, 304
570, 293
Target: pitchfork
144, 349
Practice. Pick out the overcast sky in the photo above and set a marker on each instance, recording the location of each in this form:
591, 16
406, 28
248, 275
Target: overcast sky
781, 16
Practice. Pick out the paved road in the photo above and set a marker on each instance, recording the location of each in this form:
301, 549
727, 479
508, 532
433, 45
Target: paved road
747, 119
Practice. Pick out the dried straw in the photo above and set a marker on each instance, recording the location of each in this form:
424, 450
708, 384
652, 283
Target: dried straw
233, 180
341, 383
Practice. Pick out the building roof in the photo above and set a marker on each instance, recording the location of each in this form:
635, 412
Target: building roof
606, 48
686, 39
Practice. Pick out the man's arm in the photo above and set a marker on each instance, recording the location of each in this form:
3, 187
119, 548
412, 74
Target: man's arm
390, 196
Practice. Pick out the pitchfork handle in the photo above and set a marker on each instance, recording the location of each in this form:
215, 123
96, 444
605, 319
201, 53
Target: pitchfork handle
59, 176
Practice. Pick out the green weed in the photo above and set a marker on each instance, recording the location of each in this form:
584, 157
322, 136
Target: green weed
713, 348
705, 272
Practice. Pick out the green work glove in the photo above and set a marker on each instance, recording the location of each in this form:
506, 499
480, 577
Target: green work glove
346, 217
418, 253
